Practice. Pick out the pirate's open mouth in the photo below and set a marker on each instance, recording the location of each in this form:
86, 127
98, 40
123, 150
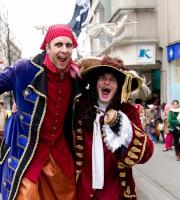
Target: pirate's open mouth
105, 91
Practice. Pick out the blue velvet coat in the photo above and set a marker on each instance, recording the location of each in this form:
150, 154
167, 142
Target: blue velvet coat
28, 81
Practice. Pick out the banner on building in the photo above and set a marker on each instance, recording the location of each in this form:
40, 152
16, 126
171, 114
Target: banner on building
80, 16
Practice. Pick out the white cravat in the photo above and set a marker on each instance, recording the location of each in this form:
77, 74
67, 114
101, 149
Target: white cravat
98, 152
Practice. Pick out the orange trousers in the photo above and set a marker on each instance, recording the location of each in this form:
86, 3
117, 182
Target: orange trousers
52, 185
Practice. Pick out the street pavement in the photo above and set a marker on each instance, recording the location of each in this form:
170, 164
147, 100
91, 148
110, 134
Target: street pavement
159, 178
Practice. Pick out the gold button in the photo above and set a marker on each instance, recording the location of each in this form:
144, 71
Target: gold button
123, 183
4, 183
21, 117
54, 128
9, 160
26, 92
91, 195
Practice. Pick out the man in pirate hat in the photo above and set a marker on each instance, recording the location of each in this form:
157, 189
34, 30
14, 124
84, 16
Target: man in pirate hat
35, 159
109, 138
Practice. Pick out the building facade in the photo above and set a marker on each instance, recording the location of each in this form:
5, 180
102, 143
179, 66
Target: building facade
169, 41
143, 40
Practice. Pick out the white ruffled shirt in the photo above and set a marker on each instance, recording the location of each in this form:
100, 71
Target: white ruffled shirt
113, 142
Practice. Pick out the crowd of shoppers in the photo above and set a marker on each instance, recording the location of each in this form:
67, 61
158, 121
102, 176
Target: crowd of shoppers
162, 124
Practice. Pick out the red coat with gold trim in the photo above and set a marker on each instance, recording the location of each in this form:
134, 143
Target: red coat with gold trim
118, 179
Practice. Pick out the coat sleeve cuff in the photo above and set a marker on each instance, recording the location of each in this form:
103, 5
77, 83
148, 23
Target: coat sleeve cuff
139, 150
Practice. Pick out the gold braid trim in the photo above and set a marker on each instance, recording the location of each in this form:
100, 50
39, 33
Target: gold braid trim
5, 155
41, 70
38, 66
37, 92
136, 152
77, 176
79, 137
122, 174
80, 155
138, 131
136, 142
137, 127
127, 193
132, 155
79, 148
129, 162
143, 149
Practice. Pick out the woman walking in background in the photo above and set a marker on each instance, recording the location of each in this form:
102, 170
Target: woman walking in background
151, 116
174, 126
168, 134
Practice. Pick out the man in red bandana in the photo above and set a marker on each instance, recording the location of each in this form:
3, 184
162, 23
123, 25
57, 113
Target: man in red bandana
36, 162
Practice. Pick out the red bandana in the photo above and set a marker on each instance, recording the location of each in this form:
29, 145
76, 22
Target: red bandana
56, 31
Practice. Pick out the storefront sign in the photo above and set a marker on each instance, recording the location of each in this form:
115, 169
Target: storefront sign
146, 54
173, 52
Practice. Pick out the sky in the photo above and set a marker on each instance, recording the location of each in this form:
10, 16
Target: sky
24, 16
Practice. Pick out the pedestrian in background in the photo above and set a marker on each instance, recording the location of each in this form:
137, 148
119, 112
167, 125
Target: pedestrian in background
174, 126
168, 134
151, 115
160, 122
